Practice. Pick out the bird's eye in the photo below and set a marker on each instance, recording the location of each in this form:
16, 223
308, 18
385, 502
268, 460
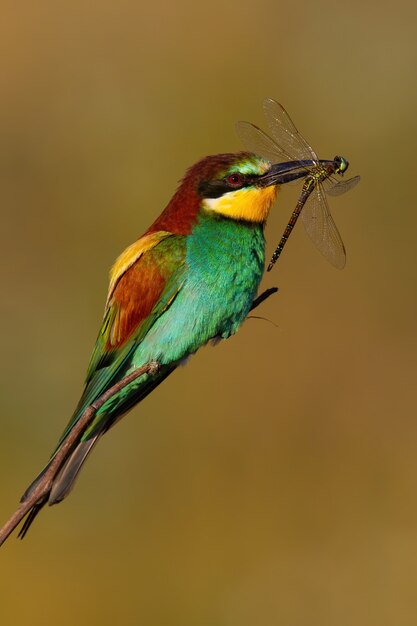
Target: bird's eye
235, 180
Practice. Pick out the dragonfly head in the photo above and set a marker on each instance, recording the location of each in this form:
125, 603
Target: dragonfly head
341, 165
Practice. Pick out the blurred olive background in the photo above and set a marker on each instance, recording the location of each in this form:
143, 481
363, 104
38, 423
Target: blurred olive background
273, 479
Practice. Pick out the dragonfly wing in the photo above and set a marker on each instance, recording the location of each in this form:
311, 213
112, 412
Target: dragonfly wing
259, 142
285, 133
342, 186
321, 228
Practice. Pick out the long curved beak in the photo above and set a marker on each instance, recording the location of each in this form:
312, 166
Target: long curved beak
281, 173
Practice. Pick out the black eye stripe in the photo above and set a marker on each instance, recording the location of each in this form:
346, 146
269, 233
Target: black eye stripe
216, 188
212, 188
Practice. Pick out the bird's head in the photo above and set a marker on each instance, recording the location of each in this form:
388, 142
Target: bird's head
239, 186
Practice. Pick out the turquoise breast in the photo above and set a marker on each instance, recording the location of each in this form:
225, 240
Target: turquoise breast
224, 266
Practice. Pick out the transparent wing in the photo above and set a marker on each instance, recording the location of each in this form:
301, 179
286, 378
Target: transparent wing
285, 133
255, 140
321, 228
342, 186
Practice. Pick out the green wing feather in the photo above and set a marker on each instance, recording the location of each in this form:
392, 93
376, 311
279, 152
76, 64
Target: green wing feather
154, 279
109, 362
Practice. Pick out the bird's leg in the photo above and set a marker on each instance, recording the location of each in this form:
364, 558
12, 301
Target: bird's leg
41, 491
262, 297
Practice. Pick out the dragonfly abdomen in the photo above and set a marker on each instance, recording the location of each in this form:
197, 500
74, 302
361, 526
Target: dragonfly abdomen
308, 187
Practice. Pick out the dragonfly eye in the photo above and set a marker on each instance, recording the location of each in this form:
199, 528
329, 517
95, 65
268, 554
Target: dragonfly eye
235, 180
341, 164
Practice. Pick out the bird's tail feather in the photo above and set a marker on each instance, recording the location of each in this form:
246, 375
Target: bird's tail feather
65, 480
62, 484
30, 518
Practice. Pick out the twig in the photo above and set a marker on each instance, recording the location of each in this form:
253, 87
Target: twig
42, 490
262, 297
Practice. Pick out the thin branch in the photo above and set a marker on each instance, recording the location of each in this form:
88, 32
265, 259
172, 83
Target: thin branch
262, 297
41, 491
43, 488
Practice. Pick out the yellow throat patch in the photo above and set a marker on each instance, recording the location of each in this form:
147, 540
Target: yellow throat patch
251, 204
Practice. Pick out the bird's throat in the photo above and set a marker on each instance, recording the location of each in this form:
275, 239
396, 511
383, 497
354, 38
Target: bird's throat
250, 204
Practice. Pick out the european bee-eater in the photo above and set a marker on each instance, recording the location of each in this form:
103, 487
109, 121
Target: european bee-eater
191, 277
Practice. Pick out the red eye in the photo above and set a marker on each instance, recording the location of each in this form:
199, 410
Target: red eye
235, 180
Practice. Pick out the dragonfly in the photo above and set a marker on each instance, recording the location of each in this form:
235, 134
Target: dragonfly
287, 143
